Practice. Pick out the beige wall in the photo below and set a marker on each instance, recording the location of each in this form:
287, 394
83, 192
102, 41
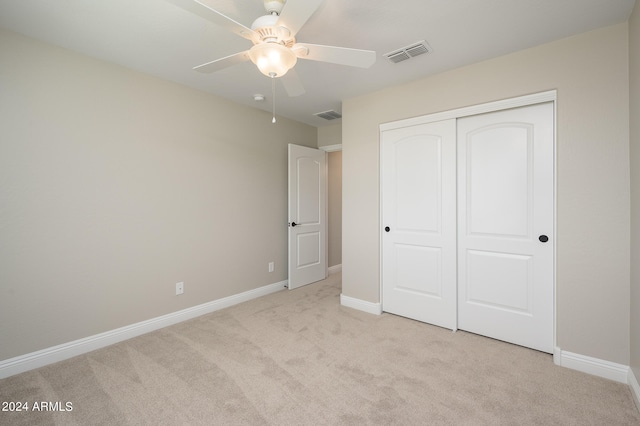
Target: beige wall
590, 72
335, 208
330, 135
634, 73
115, 185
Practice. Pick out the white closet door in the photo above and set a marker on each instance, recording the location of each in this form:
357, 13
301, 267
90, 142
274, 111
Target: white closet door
505, 225
418, 188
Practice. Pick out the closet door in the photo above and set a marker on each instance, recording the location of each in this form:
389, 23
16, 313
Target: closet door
418, 172
505, 225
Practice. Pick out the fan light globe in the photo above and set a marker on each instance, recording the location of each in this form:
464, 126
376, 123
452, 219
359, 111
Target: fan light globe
272, 59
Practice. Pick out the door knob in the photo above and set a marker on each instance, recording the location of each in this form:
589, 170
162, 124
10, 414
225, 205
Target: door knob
543, 238
387, 229
293, 224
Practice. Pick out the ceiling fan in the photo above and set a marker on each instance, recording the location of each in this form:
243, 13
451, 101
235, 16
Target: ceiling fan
275, 50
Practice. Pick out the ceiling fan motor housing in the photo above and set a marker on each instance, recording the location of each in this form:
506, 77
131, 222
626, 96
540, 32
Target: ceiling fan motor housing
267, 29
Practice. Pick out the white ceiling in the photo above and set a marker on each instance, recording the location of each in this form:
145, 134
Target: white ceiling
158, 38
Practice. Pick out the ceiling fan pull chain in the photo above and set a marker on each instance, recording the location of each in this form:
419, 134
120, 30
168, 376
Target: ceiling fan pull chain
273, 96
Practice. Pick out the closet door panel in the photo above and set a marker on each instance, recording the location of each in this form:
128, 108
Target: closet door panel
419, 221
505, 225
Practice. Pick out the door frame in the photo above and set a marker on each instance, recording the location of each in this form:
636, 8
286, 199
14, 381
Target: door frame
328, 149
520, 101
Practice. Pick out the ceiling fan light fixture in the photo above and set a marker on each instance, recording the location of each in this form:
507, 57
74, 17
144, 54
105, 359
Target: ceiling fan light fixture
272, 59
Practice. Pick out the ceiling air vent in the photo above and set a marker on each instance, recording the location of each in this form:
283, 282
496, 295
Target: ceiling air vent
408, 52
329, 115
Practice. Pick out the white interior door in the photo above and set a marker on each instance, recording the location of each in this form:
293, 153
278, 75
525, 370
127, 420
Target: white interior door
307, 215
419, 220
505, 225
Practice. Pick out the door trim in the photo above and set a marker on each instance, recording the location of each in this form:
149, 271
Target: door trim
537, 98
331, 148
520, 101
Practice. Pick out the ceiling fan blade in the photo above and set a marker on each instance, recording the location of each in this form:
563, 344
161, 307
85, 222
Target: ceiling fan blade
335, 55
203, 9
222, 63
296, 13
292, 84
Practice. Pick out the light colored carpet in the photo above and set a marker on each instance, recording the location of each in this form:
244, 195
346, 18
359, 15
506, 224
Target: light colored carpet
298, 357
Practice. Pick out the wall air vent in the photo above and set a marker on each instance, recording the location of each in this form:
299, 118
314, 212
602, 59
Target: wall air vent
329, 115
408, 52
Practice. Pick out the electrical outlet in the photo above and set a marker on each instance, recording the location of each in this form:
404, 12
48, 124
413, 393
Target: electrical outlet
272, 266
179, 288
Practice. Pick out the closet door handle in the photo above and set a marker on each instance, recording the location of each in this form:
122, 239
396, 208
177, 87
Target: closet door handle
543, 238
387, 229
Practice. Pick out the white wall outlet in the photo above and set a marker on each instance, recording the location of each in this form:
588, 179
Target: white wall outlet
179, 288
272, 266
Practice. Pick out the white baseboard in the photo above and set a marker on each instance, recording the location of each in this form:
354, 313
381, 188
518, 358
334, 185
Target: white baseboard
597, 367
361, 305
635, 388
335, 269
64, 351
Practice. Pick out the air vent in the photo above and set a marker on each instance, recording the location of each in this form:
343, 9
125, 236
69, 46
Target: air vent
408, 52
329, 115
